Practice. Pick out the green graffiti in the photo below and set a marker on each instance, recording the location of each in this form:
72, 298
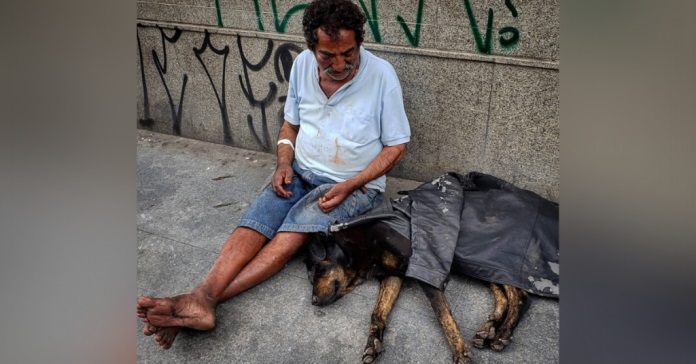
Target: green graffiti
482, 45
413, 39
509, 36
280, 27
508, 43
258, 15
219, 15
511, 6
372, 20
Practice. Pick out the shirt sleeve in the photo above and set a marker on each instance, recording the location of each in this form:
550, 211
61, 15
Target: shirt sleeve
395, 129
292, 110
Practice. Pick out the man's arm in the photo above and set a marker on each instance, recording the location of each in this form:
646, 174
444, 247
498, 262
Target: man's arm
385, 160
283, 173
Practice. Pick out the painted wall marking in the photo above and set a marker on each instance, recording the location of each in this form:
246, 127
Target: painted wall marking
279, 25
412, 38
245, 84
483, 45
222, 103
147, 121
217, 12
372, 20
162, 70
509, 36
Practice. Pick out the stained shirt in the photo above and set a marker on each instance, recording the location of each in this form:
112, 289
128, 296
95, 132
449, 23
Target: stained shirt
341, 135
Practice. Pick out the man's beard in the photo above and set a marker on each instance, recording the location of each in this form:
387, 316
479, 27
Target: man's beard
339, 76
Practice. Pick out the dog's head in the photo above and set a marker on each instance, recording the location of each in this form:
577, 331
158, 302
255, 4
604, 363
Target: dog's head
332, 272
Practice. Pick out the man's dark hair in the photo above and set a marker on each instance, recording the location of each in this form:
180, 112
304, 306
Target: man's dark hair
332, 16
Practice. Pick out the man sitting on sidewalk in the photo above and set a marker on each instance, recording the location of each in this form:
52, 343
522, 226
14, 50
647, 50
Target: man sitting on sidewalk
345, 127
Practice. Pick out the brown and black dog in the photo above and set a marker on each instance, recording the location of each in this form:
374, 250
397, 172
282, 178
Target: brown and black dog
338, 262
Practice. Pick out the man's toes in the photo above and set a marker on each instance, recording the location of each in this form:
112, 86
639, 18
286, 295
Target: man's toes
163, 340
141, 312
165, 336
145, 303
150, 329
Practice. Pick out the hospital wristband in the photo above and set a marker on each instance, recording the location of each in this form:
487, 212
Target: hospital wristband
288, 142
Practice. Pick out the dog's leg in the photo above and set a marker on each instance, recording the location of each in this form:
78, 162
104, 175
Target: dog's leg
517, 303
488, 330
461, 354
388, 292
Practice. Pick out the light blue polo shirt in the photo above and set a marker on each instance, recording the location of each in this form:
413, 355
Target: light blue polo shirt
341, 135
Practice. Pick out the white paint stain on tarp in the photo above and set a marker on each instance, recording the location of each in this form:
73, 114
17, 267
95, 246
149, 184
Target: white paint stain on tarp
555, 267
544, 285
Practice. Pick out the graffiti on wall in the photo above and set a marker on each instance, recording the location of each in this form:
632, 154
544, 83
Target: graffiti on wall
280, 58
283, 59
219, 96
483, 45
161, 66
261, 98
509, 36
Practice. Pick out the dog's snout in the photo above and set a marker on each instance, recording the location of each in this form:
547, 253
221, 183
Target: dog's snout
315, 300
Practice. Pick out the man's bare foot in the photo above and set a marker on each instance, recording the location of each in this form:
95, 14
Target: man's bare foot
193, 310
164, 336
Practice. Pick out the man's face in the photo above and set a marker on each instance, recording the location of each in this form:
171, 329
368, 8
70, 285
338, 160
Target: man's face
338, 59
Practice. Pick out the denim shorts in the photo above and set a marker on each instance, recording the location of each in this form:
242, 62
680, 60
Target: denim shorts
270, 213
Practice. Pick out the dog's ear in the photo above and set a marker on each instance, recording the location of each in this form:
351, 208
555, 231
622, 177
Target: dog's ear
316, 247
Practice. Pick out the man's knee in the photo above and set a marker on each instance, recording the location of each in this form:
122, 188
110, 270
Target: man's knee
291, 241
246, 235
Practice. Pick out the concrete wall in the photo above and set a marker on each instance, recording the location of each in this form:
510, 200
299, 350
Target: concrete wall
476, 100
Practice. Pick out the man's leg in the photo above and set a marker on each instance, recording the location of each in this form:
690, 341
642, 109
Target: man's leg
196, 309
267, 262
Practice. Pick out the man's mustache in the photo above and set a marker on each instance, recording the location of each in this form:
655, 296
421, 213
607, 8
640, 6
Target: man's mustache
347, 68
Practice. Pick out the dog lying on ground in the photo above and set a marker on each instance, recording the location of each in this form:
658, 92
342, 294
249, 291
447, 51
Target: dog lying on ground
339, 262
497, 217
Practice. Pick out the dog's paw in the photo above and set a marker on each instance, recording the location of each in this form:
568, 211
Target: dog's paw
479, 343
462, 358
486, 332
502, 339
500, 343
372, 350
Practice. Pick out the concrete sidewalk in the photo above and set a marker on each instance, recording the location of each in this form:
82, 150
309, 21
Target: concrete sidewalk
191, 195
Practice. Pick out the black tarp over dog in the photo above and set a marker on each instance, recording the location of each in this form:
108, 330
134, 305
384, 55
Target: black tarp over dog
477, 225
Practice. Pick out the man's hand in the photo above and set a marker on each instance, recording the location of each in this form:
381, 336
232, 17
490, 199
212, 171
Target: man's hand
281, 177
283, 173
335, 196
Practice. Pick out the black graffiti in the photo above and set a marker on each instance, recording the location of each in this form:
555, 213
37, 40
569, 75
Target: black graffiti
162, 70
262, 104
222, 103
283, 59
282, 62
147, 121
